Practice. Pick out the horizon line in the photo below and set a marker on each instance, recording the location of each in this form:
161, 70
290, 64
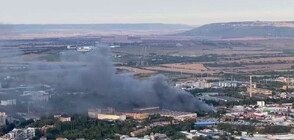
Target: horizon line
130, 23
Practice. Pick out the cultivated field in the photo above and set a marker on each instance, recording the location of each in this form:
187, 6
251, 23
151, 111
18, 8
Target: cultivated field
195, 68
261, 60
252, 68
136, 70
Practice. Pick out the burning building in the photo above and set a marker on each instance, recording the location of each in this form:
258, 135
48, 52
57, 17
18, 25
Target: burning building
137, 116
106, 114
103, 87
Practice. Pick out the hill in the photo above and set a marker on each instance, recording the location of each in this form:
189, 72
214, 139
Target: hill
243, 29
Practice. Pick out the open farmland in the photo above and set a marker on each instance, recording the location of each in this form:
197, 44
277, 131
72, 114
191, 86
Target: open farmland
196, 68
137, 70
232, 66
261, 60
29, 57
252, 68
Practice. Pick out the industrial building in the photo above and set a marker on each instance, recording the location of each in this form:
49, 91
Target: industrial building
125, 137
8, 102
147, 109
177, 115
196, 133
122, 39
260, 91
139, 131
84, 49
62, 118
37, 95
224, 84
137, 116
101, 116
206, 123
267, 137
189, 85
106, 114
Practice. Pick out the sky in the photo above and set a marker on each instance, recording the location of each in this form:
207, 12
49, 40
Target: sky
192, 12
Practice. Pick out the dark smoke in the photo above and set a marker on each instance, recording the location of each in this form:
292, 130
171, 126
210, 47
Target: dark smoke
98, 80
8, 54
105, 88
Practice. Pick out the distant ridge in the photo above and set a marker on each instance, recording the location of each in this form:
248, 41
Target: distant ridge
244, 29
40, 28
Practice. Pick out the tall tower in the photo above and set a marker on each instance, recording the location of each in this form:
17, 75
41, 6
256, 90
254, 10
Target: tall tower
250, 87
143, 56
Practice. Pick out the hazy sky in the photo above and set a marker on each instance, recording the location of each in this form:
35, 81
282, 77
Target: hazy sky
193, 12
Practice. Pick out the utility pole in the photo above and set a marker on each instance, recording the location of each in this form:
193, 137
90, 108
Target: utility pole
28, 107
250, 88
288, 81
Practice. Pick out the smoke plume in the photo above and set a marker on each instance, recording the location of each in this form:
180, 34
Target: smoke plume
90, 81
98, 85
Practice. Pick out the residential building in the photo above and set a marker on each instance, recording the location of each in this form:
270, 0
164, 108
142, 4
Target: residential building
3, 118
19, 134
261, 103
